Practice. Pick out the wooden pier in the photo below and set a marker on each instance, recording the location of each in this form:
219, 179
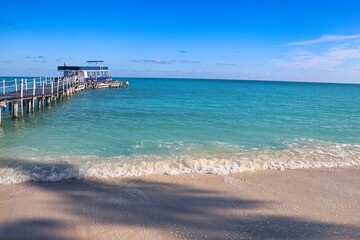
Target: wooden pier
27, 94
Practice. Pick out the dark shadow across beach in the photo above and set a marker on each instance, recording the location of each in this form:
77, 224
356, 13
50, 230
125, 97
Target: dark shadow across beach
183, 212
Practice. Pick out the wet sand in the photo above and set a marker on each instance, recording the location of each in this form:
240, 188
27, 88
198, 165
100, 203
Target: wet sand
293, 204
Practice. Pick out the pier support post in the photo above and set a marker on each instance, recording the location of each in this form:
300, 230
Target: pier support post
29, 106
10, 106
22, 95
22, 107
38, 103
33, 96
42, 102
32, 104
52, 88
57, 87
48, 101
2, 105
16, 110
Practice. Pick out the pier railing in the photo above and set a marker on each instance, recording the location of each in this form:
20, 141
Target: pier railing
31, 87
26, 91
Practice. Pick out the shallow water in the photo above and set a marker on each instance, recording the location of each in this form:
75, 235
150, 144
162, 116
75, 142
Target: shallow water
173, 126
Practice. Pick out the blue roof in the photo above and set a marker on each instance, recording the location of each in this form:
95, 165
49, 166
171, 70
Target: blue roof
76, 68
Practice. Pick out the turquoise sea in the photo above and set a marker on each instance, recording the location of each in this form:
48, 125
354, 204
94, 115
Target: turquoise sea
171, 126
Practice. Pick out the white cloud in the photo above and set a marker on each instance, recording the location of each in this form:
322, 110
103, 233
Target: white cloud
327, 58
325, 38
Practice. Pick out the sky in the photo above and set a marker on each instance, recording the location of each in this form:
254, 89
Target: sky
290, 40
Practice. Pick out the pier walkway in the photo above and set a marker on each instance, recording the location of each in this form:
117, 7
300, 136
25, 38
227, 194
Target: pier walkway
39, 91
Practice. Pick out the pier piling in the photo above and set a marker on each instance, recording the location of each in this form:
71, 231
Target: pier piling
21, 97
42, 102
2, 105
27, 103
16, 110
33, 104
38, 103
22, 107
10, 106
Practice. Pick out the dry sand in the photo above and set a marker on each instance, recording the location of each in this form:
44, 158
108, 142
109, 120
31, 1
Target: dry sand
294, 204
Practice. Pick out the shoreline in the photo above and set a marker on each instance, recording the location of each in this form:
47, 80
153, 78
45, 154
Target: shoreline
18, 169
295, 204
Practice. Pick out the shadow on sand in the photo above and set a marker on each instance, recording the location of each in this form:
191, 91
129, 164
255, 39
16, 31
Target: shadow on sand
180, 211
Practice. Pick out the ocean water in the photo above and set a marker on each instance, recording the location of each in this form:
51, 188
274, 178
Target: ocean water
172, 126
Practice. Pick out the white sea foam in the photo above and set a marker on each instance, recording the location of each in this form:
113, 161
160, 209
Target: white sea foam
317, 155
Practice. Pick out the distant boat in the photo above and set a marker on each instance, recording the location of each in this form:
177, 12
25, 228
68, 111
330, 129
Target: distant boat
96, 73
102, 85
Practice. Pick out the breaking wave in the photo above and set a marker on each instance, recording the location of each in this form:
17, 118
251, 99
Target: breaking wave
296, 156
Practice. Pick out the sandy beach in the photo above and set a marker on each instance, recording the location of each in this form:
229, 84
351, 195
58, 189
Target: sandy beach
293, 204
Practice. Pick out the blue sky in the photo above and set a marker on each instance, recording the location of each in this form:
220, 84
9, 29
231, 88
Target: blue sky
299, 40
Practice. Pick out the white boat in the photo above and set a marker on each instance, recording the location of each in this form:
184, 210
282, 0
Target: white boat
95, 73
115, 84
102, 85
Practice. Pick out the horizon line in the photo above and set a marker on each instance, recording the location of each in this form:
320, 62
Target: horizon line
211, 79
